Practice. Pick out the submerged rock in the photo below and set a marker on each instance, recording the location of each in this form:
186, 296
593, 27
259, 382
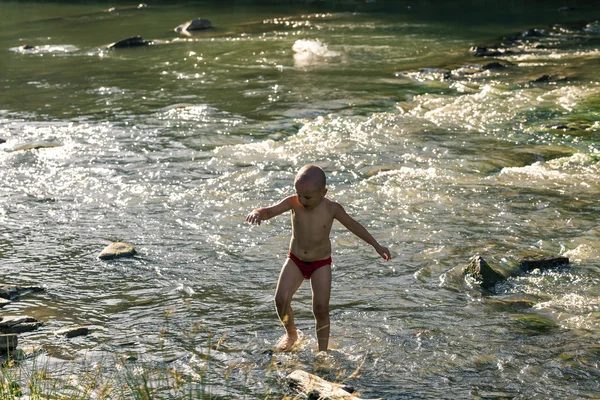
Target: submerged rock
19, 324
198, 24
134, 41
36, 146
487, 277
531, 263
117, 250
73, 331
11, 292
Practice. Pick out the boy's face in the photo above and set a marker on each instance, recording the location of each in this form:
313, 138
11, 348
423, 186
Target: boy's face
309, 195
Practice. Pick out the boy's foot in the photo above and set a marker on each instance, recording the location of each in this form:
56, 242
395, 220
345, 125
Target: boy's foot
286, 342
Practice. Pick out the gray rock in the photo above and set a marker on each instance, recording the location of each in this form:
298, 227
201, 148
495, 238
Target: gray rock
11, 292
73, 331
2, 140
18, 324
117, 250
198, 24
483, 274
134, 41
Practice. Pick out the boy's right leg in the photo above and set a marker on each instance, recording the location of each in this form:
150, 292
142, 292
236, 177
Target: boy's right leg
290, 280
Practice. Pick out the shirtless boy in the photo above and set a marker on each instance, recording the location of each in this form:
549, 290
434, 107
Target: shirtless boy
309, 254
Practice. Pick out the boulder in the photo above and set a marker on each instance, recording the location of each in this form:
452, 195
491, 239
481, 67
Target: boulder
11, 292
198, 24
134, 41
73, 331
117, 250
2, 140
483, 274
18, 324
314, 387
8, 343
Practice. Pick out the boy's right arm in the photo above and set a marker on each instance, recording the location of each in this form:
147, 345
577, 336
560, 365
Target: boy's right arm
260, 214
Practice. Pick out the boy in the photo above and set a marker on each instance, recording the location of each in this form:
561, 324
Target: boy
309, 254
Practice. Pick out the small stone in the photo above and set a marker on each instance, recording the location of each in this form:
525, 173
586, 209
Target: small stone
73, 331
117, 250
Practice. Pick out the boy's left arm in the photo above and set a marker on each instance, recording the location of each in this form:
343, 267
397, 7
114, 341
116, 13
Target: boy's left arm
355, 227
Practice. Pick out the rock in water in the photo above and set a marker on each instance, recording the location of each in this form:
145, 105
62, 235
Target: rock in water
117, 250
18, 324
531, 263
73, 331
198, 24
11, 292
8, 343
314, 387
134, 41
481, 271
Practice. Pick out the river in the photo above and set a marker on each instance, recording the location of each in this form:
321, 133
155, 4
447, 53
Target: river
440, 154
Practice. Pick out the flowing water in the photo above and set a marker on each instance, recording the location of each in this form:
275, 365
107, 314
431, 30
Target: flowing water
169, 146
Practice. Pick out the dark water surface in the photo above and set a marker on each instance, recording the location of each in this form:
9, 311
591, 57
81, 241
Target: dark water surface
440, 156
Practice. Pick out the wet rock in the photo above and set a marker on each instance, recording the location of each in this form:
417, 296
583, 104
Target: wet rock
483, 274
513, 302
134, 41
26, 47
11, 292
36, 146
4, 302
481, 51
198, 24
493, 66
531, 263
117, 250
18, 324
2, 140
314, 387
73, 331
8, 343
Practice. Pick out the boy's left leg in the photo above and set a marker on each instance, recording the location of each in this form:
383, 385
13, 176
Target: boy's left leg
320, 282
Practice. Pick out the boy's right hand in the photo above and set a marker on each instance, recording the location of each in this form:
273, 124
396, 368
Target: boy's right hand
253, 218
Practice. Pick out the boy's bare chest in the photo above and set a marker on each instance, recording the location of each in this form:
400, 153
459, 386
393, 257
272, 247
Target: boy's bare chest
311, 222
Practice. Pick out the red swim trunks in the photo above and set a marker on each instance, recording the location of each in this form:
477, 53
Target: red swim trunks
308, 267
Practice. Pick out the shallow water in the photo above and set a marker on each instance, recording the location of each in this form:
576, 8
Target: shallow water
168, 147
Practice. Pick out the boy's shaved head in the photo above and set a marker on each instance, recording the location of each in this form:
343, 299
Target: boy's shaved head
311, 174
